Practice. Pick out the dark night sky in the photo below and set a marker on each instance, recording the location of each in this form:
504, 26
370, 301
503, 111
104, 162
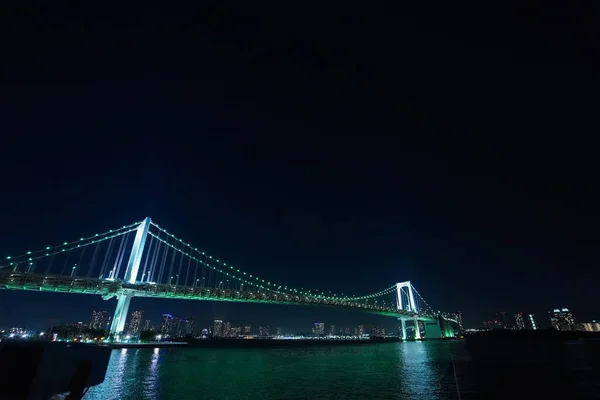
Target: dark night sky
344, 149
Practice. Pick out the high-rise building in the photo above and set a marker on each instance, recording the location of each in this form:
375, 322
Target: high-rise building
459, 320
217, 330
530, 322
562, 319
499, 321
236, 331
332, 330
166, 326
319, 328
263, 331
519, 321
147, 325
593, 326
361, 330
227, 329
278, 332
135, 324
189, 326
98, 320
247, 329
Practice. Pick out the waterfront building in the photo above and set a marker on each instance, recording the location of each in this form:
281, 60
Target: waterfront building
519, 321
98, 320
263, 331
530, 322
217, 330
593, 326
562, 319
361, 330
166, 326
135, 324
319, 328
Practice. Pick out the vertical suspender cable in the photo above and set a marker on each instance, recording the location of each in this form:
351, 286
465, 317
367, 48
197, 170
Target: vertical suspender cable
126, 239
187, 271
76, 266
50, 264
167, 248
93, 261
109, 251
112, 272
147, 257
64, 266
151, 277
209, 276
179, 271
195, 283
170, 276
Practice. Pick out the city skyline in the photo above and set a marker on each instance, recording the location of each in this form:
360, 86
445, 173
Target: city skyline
339, 168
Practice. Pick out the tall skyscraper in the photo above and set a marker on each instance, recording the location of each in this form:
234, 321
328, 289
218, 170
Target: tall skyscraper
519, 321
147, 325
189, 326
98, 320
166, 326
593, 326
361, 330
217, 330
562, 319
135, 324
236, 331
459, 321
227, 329
263, 331
499, 321
319, 328
247, 329
332, 330
530, 322
278, 332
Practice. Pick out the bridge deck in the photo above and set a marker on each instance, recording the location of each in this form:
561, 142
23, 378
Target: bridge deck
108, 288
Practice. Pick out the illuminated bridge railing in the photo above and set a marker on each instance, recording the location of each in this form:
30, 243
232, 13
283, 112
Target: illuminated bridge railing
39, 282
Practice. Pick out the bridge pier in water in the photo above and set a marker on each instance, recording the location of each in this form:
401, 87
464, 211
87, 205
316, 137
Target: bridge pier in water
118, 321
133, 266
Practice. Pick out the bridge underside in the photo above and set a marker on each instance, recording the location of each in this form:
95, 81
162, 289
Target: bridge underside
107, 289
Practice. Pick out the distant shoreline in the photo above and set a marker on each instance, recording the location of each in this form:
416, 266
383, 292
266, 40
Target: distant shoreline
252, 343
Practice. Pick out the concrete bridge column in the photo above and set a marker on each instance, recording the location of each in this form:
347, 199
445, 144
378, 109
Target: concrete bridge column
403, 323
133, 266
417, 331
118, 321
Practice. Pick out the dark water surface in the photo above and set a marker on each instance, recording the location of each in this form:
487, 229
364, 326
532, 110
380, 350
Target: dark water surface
410, 370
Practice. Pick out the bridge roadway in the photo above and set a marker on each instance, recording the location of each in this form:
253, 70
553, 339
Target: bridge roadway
109, 288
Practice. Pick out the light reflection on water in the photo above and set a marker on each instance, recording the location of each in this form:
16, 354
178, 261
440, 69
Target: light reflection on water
410, 370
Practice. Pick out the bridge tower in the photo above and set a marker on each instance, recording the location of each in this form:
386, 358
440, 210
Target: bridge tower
411, 306
133, 266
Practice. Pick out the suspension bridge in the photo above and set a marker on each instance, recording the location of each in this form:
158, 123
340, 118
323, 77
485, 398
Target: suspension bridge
145, 260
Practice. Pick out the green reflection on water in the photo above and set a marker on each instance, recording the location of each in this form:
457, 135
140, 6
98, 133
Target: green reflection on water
406, 370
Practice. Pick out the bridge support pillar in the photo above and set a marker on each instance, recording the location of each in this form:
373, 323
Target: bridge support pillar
417, 330
118, 322
403, 325
433, 330
133, 266
447, 330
